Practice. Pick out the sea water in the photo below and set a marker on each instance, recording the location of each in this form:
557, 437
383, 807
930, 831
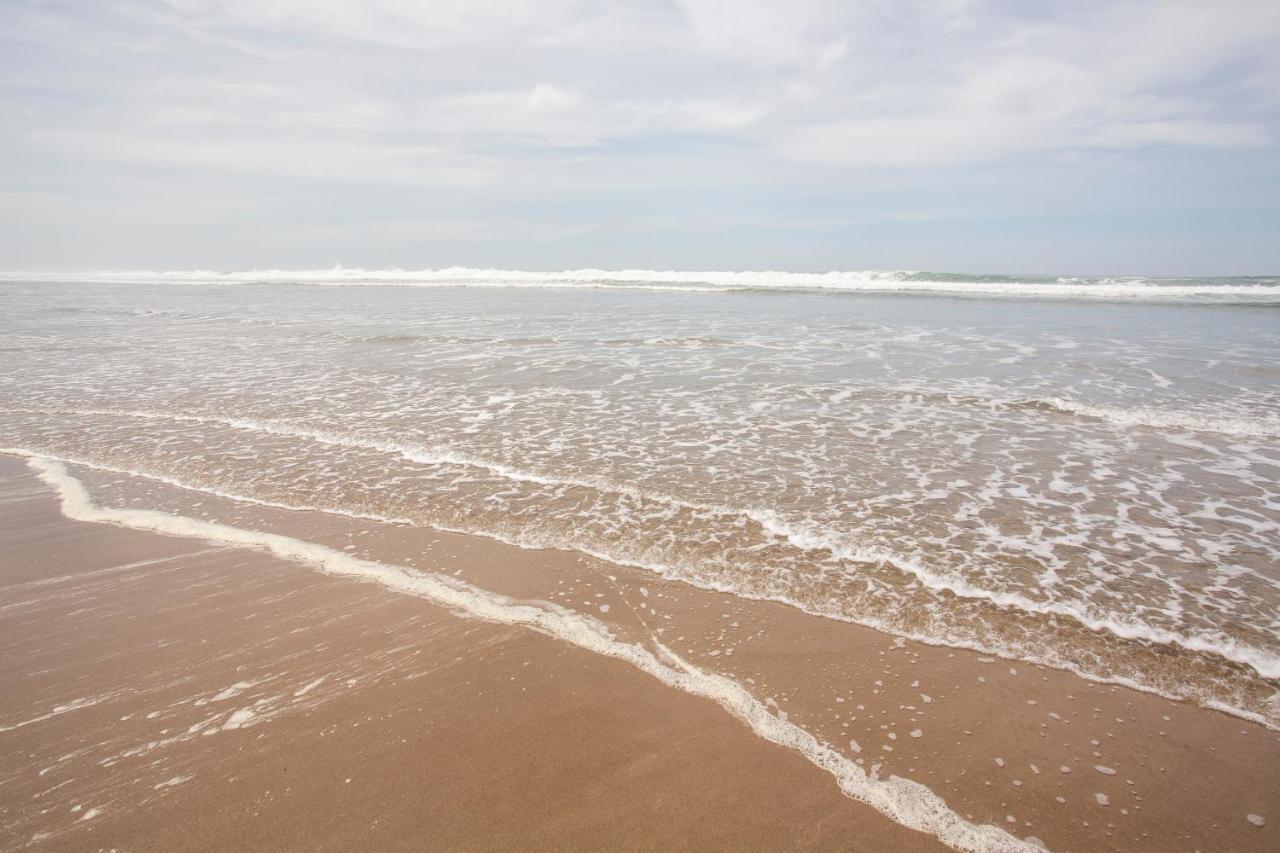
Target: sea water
1083, 473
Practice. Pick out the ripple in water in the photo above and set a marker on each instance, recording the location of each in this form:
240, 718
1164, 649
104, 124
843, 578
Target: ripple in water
1092, 486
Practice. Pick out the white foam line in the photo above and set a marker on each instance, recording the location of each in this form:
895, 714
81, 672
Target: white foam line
207, 490
1264, 663
909, 803
671, 574
836, 281
413, 453
1215, 643
768, 521
1147, 416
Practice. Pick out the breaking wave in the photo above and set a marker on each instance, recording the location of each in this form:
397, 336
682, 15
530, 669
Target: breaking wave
1262, 290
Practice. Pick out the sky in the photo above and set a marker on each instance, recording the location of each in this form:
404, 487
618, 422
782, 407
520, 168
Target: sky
1074, 137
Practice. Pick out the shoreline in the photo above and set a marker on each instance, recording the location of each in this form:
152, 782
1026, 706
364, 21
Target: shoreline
333, 713
795, 653
1254, 697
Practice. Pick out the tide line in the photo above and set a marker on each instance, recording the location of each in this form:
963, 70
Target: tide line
907, 802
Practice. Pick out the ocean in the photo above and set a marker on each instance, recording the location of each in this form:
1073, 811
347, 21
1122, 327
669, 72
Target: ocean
1082, 473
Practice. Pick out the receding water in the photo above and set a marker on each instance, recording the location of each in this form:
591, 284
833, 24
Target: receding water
1088, 478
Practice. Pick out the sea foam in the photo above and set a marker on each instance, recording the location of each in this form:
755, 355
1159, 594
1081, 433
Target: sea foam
1167, 419
835, 281
842, 546
907, 802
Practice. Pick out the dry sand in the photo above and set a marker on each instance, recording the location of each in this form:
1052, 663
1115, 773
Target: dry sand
159, 693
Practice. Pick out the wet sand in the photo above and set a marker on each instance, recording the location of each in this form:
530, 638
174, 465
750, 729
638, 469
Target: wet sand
160, 693
164, 693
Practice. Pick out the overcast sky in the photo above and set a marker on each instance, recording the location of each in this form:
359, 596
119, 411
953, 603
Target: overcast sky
1071, 137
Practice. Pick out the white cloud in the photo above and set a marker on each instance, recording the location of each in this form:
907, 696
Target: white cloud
546, 98
629, 102
870, 83
803, 33
1119, 77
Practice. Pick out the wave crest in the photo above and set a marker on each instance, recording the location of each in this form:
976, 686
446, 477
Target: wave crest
1147, 416
1265, 290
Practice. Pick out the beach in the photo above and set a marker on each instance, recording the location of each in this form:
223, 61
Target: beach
646, 426
638, 561
166, 694
170, 692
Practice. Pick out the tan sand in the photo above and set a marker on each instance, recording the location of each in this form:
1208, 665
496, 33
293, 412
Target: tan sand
460, 734
158, 693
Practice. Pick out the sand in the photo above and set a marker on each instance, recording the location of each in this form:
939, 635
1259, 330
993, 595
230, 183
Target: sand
163, 693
